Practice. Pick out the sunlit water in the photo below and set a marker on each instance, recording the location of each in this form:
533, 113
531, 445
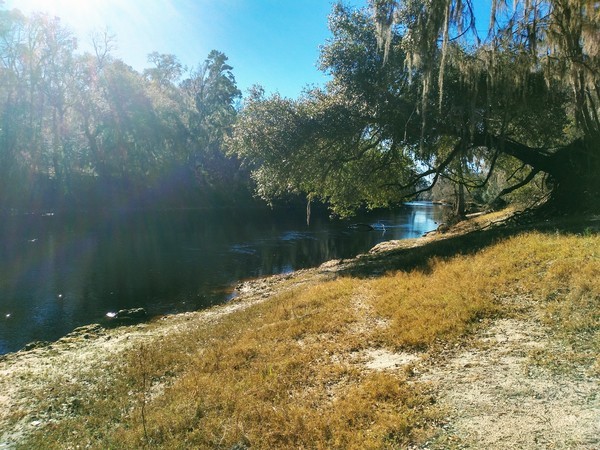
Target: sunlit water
58, 273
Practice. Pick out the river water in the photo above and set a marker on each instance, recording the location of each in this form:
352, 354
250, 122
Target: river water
60, 272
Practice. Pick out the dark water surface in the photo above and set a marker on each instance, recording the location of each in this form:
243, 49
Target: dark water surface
58, 273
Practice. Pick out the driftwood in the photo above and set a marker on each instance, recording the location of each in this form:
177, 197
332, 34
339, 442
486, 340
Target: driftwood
361, 227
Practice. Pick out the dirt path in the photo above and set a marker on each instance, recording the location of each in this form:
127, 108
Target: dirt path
498, 399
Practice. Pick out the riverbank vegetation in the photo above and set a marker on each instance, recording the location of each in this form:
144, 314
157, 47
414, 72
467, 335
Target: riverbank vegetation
323, 359
419, 101
420, 97
87, 131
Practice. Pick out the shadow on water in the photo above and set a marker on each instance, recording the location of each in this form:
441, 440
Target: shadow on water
58, 272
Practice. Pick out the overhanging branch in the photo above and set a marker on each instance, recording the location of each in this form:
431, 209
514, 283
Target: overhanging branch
436, 171
522, 183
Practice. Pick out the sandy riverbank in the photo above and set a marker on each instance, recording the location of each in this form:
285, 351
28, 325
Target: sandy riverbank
488, 388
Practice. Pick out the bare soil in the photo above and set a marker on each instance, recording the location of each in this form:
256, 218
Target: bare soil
497, 399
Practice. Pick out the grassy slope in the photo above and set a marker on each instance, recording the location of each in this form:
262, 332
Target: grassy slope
289, 371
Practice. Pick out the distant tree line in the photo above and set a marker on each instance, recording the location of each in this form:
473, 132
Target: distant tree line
88, 131
421, 102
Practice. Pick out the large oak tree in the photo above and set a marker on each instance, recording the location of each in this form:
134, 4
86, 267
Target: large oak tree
418, 94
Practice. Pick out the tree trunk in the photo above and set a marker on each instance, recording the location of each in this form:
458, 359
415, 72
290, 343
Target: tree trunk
573, 172
575, 177
459, 207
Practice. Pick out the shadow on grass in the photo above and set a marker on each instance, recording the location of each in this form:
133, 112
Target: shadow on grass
419, 257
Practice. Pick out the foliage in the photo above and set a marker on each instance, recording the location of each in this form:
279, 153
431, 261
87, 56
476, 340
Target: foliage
311, 146
88, 130
331, 145
425, 99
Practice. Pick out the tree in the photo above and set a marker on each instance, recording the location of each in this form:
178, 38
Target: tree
166, 71
87, 129
551, 47
37, 77
212, 94
318, 147
418, 97
12, 103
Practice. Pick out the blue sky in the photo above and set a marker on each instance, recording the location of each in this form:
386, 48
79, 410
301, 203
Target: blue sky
274, 43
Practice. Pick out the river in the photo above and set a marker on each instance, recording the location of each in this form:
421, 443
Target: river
58, 272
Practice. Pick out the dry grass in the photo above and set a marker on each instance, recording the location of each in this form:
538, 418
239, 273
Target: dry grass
269, 377
281, 373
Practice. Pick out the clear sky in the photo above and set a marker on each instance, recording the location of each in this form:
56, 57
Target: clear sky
274, 43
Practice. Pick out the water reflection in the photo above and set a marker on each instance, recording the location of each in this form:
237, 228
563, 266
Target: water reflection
57, 273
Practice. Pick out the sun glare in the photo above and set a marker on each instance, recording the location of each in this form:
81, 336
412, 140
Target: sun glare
140, 26
81, 16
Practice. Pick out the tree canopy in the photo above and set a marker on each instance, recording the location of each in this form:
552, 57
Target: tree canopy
87, 130
421, 98
419, 95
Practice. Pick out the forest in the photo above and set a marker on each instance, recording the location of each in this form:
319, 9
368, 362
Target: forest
421, 102
87, 130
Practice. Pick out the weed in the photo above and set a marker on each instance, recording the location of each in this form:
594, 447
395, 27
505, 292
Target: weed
143, 363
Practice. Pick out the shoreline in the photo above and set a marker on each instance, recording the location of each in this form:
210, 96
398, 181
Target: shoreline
480, 366
240, 290
205, 274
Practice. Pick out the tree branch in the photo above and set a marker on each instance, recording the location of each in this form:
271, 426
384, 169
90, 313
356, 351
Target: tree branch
539, 159
433, 171
520, 184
